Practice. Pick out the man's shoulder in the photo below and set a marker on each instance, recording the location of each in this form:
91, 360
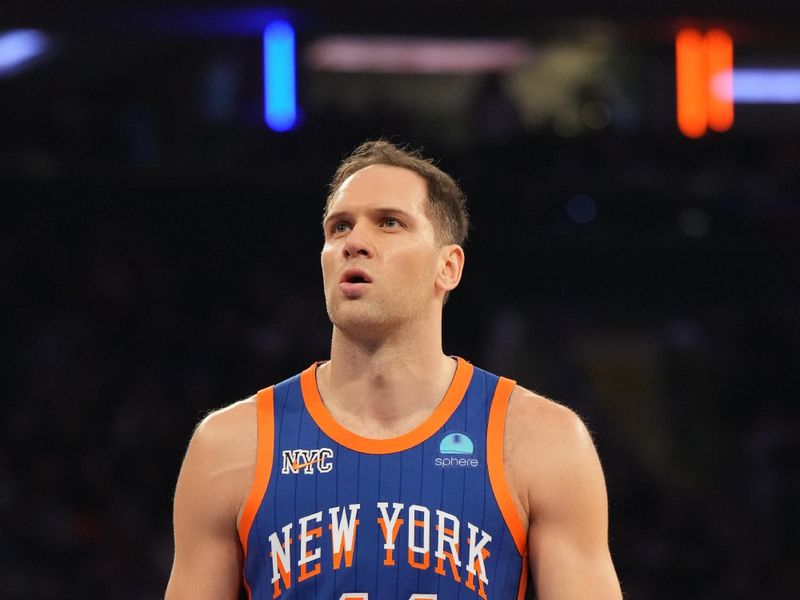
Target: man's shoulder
529, 412
548, 449
228, 435
230, 419
543, 436
221, 457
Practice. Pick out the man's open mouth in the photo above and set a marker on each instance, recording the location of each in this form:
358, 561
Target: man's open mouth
355, 276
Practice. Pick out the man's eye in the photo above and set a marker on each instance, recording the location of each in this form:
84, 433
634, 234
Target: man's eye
391, 222
339, 228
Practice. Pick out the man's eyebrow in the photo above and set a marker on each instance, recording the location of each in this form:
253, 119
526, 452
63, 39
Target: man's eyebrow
391, 210
379, 210
335, 216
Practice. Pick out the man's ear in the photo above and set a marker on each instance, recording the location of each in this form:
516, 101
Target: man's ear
451, 266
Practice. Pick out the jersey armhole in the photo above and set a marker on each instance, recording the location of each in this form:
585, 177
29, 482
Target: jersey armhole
494, 459
265, 444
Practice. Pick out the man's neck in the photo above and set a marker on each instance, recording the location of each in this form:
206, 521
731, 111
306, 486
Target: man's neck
384, 389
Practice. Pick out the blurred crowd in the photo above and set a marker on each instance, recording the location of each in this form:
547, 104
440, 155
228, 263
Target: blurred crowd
662, 306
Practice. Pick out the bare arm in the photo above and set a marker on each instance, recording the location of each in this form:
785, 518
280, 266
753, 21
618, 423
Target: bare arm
212, 486
562, 491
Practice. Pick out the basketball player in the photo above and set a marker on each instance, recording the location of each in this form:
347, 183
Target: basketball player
392, 471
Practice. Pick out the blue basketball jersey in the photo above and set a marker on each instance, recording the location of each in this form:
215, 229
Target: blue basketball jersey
424, 516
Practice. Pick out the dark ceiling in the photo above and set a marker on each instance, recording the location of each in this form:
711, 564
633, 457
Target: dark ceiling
499, 17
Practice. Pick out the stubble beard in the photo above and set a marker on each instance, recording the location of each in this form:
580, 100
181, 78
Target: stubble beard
371, 320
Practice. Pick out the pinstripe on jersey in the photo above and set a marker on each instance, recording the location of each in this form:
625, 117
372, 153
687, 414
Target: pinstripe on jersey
427, 515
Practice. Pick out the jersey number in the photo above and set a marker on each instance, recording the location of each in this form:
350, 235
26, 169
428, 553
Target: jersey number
363, 596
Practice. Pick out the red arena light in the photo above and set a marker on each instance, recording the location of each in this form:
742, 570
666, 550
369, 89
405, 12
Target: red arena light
702, 62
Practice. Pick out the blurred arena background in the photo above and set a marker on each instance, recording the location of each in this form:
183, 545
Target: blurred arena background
159, 257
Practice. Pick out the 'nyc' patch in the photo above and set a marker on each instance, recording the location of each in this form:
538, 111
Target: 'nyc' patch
316, 460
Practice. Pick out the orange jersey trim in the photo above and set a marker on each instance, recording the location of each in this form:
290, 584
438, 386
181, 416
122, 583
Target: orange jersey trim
494, 460
320, 414
266, 427
523, 579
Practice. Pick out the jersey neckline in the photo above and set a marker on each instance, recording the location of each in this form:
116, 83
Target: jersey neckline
345, 437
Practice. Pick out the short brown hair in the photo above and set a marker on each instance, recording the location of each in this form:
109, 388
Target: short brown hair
448, 209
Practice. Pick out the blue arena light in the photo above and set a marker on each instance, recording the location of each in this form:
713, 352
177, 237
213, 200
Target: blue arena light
766, 86
581, 209
280, 100
18, 47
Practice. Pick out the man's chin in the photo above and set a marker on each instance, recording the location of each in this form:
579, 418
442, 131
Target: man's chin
358, 320
354, 323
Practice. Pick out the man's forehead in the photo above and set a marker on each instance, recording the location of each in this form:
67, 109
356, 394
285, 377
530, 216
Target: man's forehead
379, 184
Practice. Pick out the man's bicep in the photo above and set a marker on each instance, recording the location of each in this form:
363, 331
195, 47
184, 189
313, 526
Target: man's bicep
568, 538
562, 570
208, 555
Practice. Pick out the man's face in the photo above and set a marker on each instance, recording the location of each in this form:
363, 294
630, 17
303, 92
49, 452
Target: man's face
380, 256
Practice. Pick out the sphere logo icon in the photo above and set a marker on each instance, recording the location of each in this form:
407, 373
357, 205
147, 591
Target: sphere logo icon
456, 443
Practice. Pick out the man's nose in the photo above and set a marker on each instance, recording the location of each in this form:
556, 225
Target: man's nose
358, 242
